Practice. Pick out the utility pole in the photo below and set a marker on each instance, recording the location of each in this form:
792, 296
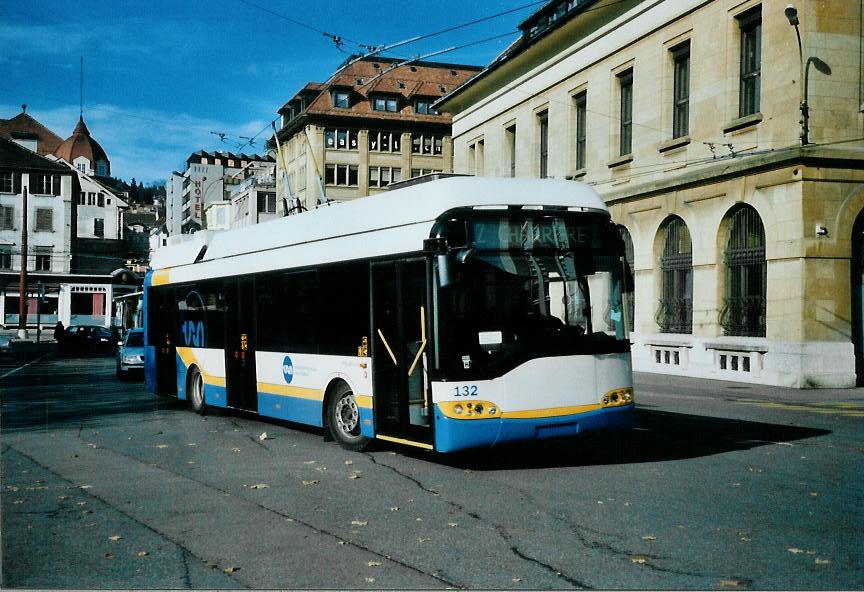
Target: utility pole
22, 280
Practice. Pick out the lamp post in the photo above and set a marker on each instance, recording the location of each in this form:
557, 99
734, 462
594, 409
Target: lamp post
792, 16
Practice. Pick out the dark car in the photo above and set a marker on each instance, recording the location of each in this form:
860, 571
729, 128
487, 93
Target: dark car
130, 354
88, 338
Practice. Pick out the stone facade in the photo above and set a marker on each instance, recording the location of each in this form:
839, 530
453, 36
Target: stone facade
571, 76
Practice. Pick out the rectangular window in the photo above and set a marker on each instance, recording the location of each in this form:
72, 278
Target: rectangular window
476, 157
100, 199
99, 227
91, 199
341, 139
44, 220
384, 104
266, 202
385, 141
625, 84
751, 58
681, 90
543, 124
43, 261
418, 172
6, 183
383, 176
44, 184
510, 142
340, 174
7, 218
427, 144
340, 99
580, 103
424, 107
5, 257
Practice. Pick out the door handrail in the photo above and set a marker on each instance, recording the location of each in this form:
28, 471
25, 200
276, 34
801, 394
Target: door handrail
387, 345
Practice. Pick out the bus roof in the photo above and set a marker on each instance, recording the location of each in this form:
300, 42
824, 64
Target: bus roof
388, 223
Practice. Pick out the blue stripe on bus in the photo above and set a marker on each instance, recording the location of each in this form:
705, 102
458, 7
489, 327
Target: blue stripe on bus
294, 409
181, 376
454, 434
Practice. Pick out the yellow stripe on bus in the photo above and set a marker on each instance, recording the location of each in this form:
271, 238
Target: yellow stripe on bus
188, 357
408, 442
550, 412
160, 277
298, 392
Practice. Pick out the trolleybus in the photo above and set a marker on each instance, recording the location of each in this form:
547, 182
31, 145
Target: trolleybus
463, 312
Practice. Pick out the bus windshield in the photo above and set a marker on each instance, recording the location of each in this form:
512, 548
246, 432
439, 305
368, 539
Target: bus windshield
531, 285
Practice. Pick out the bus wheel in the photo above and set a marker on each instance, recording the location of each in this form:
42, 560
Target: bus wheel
344, 419
196, 392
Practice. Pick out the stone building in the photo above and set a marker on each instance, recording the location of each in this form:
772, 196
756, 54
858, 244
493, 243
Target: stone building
371, 124
747, 232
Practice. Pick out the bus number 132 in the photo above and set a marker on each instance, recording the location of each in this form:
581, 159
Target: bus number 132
465, 391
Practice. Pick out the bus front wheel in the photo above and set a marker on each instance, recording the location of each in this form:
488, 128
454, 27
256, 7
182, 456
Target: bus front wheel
196, 392
343, 417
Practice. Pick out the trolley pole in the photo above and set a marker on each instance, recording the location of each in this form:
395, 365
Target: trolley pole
22, 280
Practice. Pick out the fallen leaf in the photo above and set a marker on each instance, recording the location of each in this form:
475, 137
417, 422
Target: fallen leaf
452, 524
822, 561
110, 556
320, 469
116, 537
235, 450
795, 550
309, 462
354, 476
161, 446
755, 470
394, 509
259, 486
62, 497
312, 482
627, 504
359, 522
729, 583
82, 503
262, 436
516, 580
230, 570
349, 462
191, 444
746, 539
374, 564
343, 542
814, 494
18, 502
12, 488
649, 537
143, 553
423, 539
640, 559
85, 487
370, 580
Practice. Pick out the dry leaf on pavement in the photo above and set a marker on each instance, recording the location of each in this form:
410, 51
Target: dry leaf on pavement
259, 486
312, 482
640, 559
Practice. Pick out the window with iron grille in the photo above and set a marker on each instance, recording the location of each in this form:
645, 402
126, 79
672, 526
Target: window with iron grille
543, 124
750, 24
625, 83
675, 313
580, 102
681, 90
629, 296
743, 311
44, 220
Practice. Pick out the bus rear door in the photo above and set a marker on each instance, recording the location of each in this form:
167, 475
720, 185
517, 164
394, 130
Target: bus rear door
401, 390
240, 375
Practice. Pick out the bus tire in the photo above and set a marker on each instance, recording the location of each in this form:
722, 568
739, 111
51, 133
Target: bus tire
343, 419
196, 391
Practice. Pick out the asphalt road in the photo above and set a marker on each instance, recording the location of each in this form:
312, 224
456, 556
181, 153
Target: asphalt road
721, 486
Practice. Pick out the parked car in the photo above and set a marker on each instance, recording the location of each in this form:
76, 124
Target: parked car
87, 338
130, 354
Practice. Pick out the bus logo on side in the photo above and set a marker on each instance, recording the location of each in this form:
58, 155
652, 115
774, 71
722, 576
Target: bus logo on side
288, 369
193, 334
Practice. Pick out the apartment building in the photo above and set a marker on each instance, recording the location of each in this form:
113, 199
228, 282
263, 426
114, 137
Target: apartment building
371, 124
731, 157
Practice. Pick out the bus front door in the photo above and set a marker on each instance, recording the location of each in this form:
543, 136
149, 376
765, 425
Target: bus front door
399, 319
240, 376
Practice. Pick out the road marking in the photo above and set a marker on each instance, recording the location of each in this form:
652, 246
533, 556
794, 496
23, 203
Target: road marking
844, 409
11, 372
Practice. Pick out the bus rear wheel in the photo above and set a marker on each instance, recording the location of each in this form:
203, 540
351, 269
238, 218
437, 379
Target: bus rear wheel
196, 392
343, 418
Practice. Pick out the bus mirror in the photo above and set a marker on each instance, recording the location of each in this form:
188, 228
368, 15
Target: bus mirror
444, 279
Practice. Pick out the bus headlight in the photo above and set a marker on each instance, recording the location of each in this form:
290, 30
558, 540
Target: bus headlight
617, 397
457, 409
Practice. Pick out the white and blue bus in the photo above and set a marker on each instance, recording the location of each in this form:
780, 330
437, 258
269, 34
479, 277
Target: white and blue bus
463, 312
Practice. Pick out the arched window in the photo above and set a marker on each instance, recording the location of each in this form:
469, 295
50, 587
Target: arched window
629, 297
675, 314
743, 311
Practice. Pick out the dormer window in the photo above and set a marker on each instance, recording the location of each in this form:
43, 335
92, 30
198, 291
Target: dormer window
385, 104
340, 99
424, 107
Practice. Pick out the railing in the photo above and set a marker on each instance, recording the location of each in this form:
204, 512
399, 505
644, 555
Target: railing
744, 316
675, 315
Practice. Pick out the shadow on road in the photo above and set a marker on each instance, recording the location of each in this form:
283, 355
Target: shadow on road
659, 436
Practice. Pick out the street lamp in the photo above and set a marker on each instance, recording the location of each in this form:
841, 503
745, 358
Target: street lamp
792, 16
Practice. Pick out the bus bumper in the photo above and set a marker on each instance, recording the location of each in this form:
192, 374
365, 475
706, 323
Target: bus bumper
458, 434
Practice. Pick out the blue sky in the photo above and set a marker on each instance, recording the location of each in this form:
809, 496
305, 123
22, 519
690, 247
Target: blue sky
160, 76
